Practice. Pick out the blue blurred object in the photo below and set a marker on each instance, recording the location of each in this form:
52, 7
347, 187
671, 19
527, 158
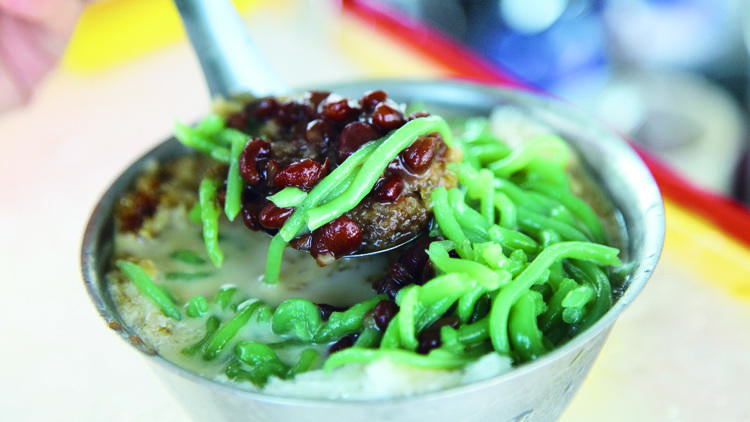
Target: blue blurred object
553, 43
540, 41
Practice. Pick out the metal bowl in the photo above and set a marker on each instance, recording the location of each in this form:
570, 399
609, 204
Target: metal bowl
535, 391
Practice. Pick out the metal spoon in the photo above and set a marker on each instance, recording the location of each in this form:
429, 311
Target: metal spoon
232, 64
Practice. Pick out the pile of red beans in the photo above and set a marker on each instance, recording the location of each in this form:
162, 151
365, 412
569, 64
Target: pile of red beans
307, 138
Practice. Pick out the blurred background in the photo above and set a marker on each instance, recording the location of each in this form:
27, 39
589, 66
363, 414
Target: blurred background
672, 75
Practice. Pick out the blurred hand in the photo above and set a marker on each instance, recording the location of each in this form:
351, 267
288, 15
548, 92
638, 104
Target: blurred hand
33, 35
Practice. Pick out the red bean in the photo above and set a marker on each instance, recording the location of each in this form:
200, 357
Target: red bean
266, 109
272, 169
343, 343
415, 257
353, 136
386, 286
273, 217
307, 112
395, 165
400, 274
418, 156
303, 174
387, 117
390, 189
340, 237
383, 313
320, 132
411, 267
250, 212
428, 273
430, 338
289, 113
339, 110
373, 98
255, 153
302, 243
326, 310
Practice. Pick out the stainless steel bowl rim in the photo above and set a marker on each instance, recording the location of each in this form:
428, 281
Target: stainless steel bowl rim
654, 216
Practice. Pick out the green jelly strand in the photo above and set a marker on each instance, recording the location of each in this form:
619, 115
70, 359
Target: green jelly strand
143, 282
210, 218
550, 146
187, 275
297, 317
445, 218
487, 200
194, 214
467, 303
289, 197
229, 330
602, 290
197, 306
512, 240
212, 324
210, 126
474, 333
553, 315
369, 338
507, 210
187, 256
507, 297
340, 324
420, 306
261, 361
536, 223
476, 132
544, 170
577, 206
408, 302
192, 138
520, 197
525, 336
468, 218
274, 258
481, 155
307, 361
392, 335
481, 274
235, 184
224, 296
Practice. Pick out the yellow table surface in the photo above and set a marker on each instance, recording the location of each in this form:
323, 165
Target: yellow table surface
680, 353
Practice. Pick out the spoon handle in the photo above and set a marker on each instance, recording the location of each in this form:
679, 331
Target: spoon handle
231, 62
